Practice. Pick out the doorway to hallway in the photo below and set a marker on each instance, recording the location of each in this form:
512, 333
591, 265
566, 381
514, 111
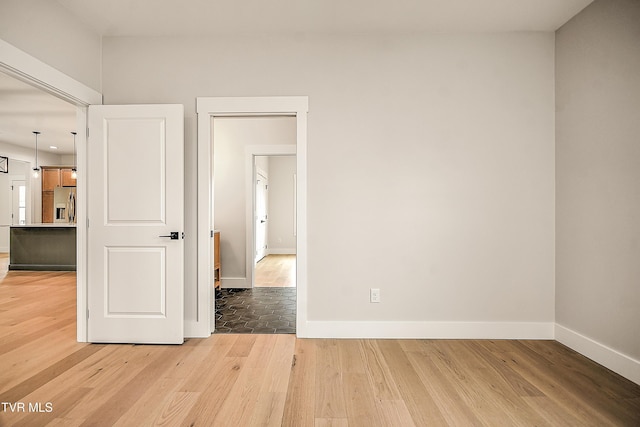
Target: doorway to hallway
210, 111
258, 292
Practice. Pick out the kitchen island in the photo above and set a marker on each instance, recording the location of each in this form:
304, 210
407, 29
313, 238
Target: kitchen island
43, 247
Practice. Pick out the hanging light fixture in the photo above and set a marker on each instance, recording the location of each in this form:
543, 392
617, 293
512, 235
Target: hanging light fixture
36, 170
74, 170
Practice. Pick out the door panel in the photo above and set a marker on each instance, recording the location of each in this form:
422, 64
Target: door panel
135, 202
148, 158
261, 217
136, 282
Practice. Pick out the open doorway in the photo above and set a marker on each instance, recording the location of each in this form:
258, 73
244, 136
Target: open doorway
242, 160
275, 228
62, 88
211, 109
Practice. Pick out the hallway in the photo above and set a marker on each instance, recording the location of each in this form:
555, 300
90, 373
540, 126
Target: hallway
268, 308
276, 271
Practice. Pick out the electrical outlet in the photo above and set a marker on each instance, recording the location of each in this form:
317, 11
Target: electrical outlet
374, 295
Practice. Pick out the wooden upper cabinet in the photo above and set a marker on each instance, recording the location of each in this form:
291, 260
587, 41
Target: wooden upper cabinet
50, 179
57, 177
66, 179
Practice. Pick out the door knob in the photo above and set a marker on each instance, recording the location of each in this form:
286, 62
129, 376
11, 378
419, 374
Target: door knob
173, 235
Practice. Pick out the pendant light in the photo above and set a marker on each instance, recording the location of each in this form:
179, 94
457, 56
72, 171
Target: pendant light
36, 170
74, 170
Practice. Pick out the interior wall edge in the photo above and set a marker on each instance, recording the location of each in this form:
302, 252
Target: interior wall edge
606, 356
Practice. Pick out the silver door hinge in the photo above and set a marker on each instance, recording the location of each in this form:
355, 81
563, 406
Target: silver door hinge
87, 313
87, 133
87, 222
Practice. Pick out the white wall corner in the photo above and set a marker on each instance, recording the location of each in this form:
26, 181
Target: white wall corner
430, 330
599, 353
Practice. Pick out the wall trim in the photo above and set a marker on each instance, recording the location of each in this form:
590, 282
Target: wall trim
612, 359
234, 282
281, 251
431, 330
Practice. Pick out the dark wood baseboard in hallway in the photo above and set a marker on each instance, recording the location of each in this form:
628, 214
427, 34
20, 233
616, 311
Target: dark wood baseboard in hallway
245, 380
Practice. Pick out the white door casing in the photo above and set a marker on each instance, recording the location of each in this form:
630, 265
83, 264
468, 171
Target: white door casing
208, 108
135, 191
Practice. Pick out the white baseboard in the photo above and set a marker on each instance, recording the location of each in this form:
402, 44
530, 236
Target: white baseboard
600, 353
4, 249
430, 330
281, 251
234, 282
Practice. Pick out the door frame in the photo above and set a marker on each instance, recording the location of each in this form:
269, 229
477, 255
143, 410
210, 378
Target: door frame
251, 152
207, 109
31, 70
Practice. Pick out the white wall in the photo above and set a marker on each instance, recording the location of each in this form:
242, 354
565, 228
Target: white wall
230, 137
430, 161
26, 154
598, 176
281, 235
47, 31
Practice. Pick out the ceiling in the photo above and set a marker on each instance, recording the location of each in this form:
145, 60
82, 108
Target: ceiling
207, 17
24, 109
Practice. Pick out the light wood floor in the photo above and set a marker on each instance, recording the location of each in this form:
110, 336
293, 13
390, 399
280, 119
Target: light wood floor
264, 380
276, 271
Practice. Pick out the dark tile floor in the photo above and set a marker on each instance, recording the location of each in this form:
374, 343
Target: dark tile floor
256, 311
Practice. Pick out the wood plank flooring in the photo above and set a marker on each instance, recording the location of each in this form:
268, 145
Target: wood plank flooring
271, 380
277, 271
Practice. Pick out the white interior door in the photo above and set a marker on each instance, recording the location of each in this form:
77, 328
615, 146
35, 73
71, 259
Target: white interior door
135, 199
261, 216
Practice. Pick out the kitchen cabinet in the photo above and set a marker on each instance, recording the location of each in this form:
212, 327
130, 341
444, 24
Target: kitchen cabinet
47, 207
66, 178
43, 247
52, 178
